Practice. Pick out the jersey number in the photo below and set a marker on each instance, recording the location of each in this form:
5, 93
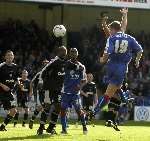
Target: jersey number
121, 47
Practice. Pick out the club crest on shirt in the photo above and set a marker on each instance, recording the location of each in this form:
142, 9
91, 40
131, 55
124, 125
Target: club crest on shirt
71, 72
63, 69
10, 75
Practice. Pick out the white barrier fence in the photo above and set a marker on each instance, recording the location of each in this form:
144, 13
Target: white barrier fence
142, 113
143, 4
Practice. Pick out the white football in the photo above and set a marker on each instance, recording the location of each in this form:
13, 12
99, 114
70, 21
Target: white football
59, 30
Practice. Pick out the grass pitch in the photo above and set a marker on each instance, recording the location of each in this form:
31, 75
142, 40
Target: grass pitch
131, 131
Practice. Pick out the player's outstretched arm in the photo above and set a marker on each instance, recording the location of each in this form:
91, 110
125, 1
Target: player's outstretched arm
124, 21
138, 58
105, 26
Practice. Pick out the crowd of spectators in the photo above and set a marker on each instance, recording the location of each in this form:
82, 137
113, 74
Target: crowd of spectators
32, 44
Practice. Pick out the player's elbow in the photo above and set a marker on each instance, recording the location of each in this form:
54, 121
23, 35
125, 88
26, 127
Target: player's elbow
140, 52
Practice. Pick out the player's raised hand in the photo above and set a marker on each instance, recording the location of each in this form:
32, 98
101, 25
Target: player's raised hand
104, 19
124, 11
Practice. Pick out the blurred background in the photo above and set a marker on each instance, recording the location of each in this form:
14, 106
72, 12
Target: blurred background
26, 28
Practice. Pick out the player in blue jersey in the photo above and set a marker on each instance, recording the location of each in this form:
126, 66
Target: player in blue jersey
73, 82
118, 53
115, 101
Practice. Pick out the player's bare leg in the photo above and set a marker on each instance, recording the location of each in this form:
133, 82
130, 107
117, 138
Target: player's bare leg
111, 90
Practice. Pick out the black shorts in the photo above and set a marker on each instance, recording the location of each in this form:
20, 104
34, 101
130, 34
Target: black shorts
114, 104
55, 96
22, 103
49, 97
6, 99
87, 103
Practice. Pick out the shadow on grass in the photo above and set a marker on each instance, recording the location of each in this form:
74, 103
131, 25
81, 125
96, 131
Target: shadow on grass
101, 140
29, 138
127, 123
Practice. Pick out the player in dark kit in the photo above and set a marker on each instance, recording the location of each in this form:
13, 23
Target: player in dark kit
8, 77
73, 82
122, 96
53, 78
89, 96
23, 96
39, 94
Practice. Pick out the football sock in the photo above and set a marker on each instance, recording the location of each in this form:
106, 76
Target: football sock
7, 120
36, 112
16, 117
102, 102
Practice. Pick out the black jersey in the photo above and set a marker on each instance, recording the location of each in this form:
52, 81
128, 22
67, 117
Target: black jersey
35, 80
23, 89
90, 89
53, 74
8, 75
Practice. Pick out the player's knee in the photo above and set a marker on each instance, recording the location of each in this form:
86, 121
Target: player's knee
80, 112
63, 113
26, 110
13, 111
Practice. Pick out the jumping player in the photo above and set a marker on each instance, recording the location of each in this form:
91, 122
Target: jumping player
118, 54
114, 104
9, 72
73, 82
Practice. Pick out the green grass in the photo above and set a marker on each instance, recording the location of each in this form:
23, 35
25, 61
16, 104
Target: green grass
132, 131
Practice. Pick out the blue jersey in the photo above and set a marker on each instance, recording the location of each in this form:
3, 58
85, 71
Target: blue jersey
120, 48
73, 79
124, 95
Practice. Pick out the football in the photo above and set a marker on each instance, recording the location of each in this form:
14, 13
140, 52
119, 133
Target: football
59, 30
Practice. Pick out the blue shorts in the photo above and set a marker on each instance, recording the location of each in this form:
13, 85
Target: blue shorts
69, 100
116, 73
